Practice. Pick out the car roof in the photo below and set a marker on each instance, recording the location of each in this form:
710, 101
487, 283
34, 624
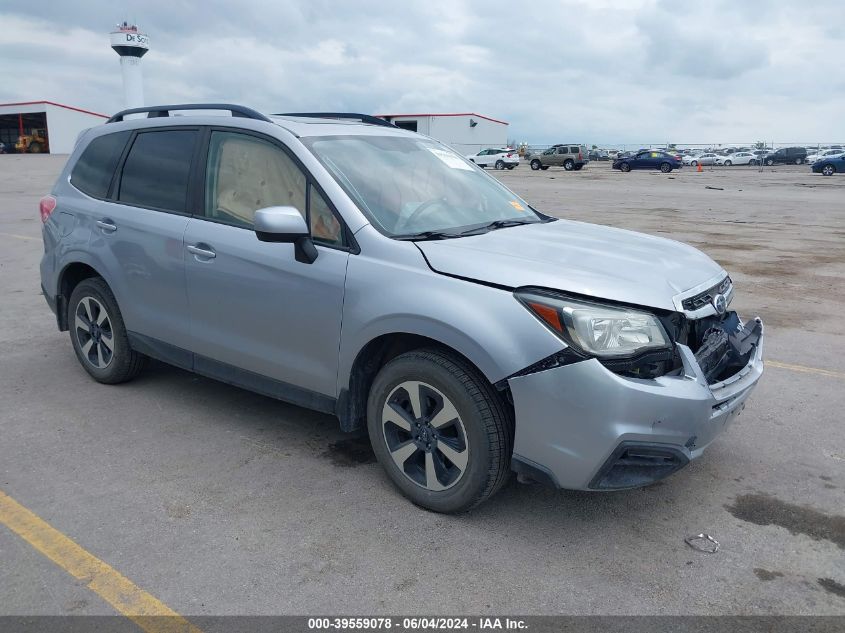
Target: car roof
298, 124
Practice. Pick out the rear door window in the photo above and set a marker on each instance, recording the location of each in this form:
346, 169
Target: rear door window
156, 172
93, 171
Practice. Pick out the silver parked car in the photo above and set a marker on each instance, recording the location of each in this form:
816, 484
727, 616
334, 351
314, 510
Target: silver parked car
342, 264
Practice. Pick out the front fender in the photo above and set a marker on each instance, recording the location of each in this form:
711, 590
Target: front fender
487, 325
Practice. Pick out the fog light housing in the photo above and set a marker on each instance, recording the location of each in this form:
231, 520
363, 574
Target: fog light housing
634, 464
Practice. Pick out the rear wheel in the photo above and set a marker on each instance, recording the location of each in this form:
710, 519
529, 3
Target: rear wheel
625, 167
798, 161
828, 170
500, 164
511, 166
35, 148
579, 167
440, 430
665, 168
544, 167
535, 164
98, 335
694, 163
728, 163
569, 164
770, 162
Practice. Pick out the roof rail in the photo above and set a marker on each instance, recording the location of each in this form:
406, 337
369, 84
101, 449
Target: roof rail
165, 110
363, 118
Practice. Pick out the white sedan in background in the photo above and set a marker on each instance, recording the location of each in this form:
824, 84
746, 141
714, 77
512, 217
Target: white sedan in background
708, 158
737, 158
825, 153
496, 157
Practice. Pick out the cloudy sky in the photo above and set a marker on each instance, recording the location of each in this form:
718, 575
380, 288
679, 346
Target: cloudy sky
644, 71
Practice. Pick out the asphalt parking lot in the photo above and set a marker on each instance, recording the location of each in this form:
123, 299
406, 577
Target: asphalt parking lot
219, 501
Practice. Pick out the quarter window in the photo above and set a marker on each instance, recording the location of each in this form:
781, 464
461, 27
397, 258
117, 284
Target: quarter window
244, 174
574, 150
93, 171
325, 227
157, 168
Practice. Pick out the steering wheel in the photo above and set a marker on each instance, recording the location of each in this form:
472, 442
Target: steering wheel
425, 206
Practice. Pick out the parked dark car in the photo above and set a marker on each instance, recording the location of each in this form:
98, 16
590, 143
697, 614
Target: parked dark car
786, 156
650, 159
830, 166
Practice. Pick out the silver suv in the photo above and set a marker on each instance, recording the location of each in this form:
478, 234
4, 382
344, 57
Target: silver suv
345, 265
571, 157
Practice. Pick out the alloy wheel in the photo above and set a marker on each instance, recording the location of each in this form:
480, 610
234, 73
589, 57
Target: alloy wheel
93, 329
425, 435
828, 170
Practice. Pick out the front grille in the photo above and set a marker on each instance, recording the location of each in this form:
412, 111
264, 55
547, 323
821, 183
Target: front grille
700, 300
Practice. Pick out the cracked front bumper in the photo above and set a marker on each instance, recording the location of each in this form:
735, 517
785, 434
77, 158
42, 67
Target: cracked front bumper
573, 421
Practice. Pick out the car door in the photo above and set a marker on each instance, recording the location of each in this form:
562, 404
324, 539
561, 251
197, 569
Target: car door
261, 318
137, 235
642, 160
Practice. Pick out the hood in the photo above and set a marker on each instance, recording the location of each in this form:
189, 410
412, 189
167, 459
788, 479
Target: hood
586, 259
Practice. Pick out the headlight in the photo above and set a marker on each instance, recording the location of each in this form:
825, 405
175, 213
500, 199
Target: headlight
600, 330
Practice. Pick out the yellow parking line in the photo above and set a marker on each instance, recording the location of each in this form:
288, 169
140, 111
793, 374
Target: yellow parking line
120, 592
807, 370
20, 237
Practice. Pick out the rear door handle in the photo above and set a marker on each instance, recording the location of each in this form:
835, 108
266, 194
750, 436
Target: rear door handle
204, 253
106, 225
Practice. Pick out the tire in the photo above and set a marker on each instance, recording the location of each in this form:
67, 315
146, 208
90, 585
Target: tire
479, 437
798, 161
35, 148
665, 168
544, 167
694, 163
500, 164
728, 163
579, 167
511, 166
769, 162
535, 164
828, 170
624, 167
569, 164
90, 299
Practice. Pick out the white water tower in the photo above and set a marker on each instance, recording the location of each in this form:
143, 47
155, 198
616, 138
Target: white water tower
131, 46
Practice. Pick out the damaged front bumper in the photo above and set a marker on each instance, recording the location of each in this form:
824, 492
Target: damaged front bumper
582, 426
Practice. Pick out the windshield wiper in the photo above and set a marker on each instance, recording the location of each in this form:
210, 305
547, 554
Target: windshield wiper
427, 235
495, 224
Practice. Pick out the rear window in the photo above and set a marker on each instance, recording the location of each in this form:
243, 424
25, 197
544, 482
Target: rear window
93, 171
155, 173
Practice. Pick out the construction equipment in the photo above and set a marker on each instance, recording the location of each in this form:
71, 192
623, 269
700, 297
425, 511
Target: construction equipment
33, 143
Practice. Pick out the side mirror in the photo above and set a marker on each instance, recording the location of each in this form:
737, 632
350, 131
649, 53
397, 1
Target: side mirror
286, 224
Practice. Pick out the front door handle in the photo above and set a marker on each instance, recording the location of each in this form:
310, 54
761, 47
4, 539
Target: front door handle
106, 225
203, 253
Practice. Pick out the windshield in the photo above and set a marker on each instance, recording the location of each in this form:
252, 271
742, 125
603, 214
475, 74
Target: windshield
408, 186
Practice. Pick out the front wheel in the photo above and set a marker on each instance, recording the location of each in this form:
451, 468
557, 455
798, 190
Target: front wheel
798, 161
665, 168
828, 170
500, 164
535, 164
98, 335
694, 163
439, 430
569, 164
728, 163
625, 167
770, 162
